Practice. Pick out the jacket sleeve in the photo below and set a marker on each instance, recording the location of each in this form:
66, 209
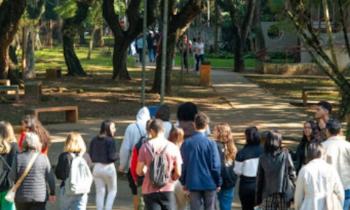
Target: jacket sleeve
299, 193
184, 164
50, 178
125, 149
238, 169
259, 184
63, 167
216, 165
291, 169
112, 151
338, 187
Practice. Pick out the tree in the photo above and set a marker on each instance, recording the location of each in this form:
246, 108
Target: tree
240, 10
179, 20
11, 12
124, 33
95, 20
299, 13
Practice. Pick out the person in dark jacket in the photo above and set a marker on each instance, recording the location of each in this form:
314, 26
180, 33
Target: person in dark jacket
227, 151
8, 155
246, 167
73, 146
274, 171
103, 154
311, 133
201, 169
33, 193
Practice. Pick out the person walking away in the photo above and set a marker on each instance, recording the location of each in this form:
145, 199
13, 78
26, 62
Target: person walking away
33, 193
199, 53
74, 146
311, 133
8, 155
139, 47
246, 167
322, 116
337, 151
150, 39
163, 114
162, 161
31, 124
201, 170
317, 181
227, 150
275, 172
133, 134
103, 154
185, 47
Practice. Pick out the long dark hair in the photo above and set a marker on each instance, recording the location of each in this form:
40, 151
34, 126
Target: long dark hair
315, 132
252, 136
32, 124
273, 143
105, 129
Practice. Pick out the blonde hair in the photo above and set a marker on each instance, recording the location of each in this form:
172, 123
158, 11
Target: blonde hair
7, 136
176, 136
74, 143
223, 134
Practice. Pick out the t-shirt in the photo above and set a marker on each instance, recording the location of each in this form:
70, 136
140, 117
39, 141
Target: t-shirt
173, 155
199, 48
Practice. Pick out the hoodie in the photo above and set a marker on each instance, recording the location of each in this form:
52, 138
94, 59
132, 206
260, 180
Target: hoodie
132, 135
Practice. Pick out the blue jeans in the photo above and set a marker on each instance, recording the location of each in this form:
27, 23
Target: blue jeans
225, 197
72, 202
151, 56
347, 199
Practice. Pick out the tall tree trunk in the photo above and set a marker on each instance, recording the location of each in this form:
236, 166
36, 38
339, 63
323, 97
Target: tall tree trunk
69, 31
238, 50
120, 56
30, 57
91, 42
98, 38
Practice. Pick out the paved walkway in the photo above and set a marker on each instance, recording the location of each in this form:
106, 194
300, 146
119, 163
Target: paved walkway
243, 104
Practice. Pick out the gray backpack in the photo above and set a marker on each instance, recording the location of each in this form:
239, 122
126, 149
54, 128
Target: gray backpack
159, 167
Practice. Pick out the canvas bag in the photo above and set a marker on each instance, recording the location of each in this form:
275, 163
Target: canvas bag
159, 167
289, 185
80, 177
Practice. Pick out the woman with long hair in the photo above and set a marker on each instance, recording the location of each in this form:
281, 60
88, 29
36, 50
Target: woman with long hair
227, 150
8, 153
103, 154
31, 124
275, 171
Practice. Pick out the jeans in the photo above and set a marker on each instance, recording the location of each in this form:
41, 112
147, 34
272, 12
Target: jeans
4, 204
31, 206
225, 198
208, 198
105, 176
159, 201
151, 56
347, 199
72, 202
199, 58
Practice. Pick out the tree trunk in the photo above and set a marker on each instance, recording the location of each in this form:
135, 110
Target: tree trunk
98, 38
30, 57
69, 31
91, 43
120, 56
216, 29
49, 39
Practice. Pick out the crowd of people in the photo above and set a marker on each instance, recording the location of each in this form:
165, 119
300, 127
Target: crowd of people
179, 166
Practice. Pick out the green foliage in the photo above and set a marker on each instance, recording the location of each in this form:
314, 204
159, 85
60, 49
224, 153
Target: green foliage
66, 9
95, 18
50, 13
35, 8
276, 6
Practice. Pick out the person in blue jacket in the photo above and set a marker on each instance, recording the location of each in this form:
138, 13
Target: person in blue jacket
201, 169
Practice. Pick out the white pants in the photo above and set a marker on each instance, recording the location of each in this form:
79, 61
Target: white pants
105, 176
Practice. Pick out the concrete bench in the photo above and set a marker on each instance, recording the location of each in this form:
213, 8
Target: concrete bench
7, 88
307, 89
71, 112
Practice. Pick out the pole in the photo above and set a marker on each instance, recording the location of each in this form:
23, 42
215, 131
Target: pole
164, 44
144, 54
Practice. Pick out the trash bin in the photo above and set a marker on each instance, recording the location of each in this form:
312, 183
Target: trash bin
205, 75
153, 110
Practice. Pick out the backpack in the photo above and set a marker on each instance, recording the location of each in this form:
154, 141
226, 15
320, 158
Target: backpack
158, 167
5, 181
135, 156
80, 177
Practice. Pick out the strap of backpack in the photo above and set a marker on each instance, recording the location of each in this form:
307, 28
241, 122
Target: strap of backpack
26, 171
138, 128
5, 162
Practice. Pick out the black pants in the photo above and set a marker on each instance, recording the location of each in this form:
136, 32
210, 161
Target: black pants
160, 201
31, 206
199, 58
247, 194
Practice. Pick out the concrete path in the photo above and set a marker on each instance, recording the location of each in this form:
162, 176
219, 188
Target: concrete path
243, 104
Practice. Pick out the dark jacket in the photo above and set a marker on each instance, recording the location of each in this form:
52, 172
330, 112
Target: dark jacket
300, 155
228, 175
272, 174
103, 150
63, 167
34, 186
201, 168
5, 170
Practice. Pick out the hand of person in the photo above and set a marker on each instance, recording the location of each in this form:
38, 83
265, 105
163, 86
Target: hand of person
322, 124
121, 170
52, 198
218, 189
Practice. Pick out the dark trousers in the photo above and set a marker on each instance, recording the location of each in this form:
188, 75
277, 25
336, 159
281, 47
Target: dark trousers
139, 51
247, 194
185, 60
160, 201
200, 198
199, 58
31, 206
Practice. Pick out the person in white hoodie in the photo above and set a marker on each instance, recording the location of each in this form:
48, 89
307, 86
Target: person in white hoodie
133, 134
338, 155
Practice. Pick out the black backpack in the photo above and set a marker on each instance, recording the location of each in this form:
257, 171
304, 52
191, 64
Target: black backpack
138, 146
5, 180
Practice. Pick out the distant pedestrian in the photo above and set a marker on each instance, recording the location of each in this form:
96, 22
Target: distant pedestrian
160, 177
185, 47
199, 52
227, 150
139, 47
150, 40
103, 154
246, 167
322, 116
201, 174
276, 175
8, 155
163, 113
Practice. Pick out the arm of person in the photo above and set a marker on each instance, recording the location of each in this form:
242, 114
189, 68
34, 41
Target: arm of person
125, 150
338, 187
299, 193
141, 163
177, 165
216, 165
238, 169
184, 164
112, 151
259, 184
50, 178
62, 167
291, 169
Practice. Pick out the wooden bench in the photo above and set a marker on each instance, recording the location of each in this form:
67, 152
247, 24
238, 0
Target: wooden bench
5, 82
71, 112
307, 89
10, 88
